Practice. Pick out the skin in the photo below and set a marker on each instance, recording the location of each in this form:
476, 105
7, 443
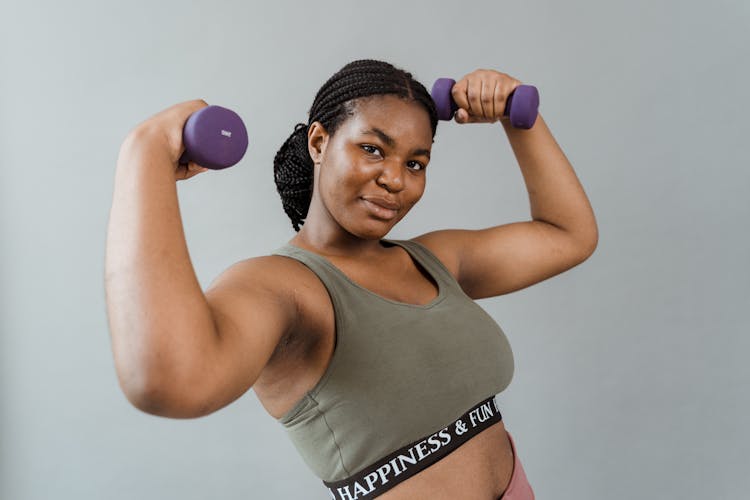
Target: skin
184, 353
357, 167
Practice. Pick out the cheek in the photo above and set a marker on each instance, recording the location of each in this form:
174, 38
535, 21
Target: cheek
336, 190
418, 190
344, 180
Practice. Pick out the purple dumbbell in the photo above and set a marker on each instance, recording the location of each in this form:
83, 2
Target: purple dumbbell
522, 105
214, 137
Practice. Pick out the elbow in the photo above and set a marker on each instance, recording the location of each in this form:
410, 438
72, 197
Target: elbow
160, 381
594, 239
590, 243
584, 244
142, 391
148, 400
137, 381
161, 397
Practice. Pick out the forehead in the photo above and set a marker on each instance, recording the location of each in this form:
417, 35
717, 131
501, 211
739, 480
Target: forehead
395, 116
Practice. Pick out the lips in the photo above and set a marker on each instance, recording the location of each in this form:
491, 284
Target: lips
382, 208
383, 202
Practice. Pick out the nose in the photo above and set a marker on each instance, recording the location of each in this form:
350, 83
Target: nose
391, 177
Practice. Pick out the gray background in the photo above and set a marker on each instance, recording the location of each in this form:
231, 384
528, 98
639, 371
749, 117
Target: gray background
630, 375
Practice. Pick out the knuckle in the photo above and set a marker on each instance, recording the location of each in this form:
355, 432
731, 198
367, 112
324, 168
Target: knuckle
196, 104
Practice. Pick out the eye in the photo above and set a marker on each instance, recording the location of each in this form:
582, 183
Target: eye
369, 148
415, 165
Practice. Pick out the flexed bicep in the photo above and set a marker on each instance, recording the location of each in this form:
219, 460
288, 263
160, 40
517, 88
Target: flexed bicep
502, 259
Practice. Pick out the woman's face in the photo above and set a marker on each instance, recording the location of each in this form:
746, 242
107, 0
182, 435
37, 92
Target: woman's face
372, 170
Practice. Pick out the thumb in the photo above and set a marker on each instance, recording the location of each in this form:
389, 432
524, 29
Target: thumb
462, 116
185, 172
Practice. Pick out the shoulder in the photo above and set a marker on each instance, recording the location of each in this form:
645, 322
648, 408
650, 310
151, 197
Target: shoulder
446, 245
282, 277
283, 284
259, 274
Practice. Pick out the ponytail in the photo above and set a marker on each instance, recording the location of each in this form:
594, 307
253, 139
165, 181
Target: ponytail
333, 104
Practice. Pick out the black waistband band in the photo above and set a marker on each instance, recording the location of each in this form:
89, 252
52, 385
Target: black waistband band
403, 463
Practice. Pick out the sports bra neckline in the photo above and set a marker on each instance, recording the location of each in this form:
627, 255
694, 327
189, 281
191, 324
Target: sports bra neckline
416, 258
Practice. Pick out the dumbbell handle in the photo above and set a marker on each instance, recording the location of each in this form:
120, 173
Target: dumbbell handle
214, 137
522, 105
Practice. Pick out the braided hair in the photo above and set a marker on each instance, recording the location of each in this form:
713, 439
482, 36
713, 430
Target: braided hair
333, 104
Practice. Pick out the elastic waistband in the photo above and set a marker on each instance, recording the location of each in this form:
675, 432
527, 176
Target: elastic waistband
405, 462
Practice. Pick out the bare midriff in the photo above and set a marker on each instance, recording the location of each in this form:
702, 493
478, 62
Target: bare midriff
480, 469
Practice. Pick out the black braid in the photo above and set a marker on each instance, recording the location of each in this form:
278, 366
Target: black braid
292, 169
333, 104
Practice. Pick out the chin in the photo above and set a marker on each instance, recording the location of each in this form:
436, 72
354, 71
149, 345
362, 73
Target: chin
375, 230
372, 235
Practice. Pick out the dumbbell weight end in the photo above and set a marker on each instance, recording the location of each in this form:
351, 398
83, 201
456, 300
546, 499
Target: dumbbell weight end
214, 137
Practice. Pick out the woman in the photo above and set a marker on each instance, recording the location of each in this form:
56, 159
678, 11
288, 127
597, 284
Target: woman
371, 352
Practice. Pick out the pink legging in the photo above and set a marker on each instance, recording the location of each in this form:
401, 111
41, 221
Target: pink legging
519, 487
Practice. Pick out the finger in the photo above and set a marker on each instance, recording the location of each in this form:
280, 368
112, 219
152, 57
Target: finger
474, 94
184, 172
487, 98
498, 101
461, 98
196, 169
508, 88
490, 96
458, 92
180, 173
180, 112
173, 119
462, 116
183, 110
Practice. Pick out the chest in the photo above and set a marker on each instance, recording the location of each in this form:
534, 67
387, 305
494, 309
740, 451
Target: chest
396, 372
386, 320
303, 356
399, 279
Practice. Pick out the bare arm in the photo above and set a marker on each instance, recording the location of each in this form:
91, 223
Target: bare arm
170, 344
563, 230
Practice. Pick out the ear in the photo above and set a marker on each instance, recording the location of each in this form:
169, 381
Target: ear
317, 140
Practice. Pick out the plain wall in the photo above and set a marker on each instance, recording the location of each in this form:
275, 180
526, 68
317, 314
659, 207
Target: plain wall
631, 378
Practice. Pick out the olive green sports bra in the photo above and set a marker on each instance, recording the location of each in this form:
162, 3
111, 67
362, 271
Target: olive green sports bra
399, 372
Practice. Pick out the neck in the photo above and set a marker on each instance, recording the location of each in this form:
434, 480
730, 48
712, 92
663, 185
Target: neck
324, 241
323, 235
